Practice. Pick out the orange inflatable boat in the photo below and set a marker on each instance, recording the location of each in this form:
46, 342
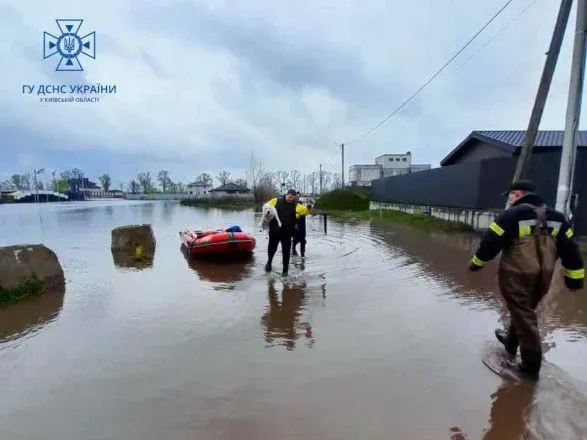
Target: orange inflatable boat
229, 242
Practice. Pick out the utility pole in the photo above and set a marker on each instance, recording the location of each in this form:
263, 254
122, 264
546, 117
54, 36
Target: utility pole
320, 179
569, 151
342, 152
543, 89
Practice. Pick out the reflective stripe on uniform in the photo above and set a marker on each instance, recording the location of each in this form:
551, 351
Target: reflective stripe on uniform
525, 227
497, 229
576, 274
569, 233
477, 262
555, 227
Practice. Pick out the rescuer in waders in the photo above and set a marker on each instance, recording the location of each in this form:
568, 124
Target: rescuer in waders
531, 237
300, 229
286, 210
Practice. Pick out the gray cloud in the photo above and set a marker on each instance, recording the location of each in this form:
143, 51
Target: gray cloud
295, 61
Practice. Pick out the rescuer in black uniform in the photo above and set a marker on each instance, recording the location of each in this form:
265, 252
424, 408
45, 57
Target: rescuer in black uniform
532, 238
286, 210
300, 229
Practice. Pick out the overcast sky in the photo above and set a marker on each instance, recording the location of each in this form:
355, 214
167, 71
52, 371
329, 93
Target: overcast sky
202, 84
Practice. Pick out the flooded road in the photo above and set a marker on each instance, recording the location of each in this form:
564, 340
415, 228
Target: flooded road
376, 335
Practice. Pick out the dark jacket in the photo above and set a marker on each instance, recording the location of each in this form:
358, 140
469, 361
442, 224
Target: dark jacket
524, 256
287, 215
301, 212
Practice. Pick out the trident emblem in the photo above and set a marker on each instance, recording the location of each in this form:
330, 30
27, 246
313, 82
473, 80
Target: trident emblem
69, 45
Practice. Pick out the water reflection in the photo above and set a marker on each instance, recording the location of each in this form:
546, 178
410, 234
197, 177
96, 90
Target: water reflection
282, 321
510, 410
221, 269
30, 314
131, 260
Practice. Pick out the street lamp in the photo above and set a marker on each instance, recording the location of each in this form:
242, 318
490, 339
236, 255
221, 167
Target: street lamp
36, 172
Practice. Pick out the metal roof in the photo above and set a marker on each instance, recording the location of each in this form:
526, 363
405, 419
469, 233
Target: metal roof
544, 138
510, 140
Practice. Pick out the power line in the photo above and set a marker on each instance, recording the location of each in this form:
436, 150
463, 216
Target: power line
332, 157
438, 72
503, 29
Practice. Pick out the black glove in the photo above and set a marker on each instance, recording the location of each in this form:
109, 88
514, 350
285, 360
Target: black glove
474, 267
573, 284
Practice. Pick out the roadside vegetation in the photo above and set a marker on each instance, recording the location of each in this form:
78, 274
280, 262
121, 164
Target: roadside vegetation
353, 205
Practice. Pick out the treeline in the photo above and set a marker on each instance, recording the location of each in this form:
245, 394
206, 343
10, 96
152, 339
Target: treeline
263, 183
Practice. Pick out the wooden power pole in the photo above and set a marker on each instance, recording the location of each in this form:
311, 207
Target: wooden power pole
523, 162
342, 155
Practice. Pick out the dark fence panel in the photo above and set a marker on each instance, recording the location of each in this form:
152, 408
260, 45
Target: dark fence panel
496, 176
452, 186
544, 170
478, 185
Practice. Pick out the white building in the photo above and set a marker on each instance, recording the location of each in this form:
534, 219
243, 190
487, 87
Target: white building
198, 189
386, 165
395, 164
362, 175
398, 164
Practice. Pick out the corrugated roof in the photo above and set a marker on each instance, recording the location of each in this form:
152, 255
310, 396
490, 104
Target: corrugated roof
510, 140
231, 186
544, 138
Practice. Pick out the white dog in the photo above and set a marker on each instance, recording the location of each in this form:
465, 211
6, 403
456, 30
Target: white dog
269, 213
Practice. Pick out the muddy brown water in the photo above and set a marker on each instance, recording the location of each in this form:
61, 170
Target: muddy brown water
378, 334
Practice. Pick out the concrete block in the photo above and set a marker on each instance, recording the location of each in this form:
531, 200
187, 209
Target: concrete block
136, 238
22, 265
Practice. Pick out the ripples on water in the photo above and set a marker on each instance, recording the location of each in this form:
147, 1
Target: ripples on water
377, 325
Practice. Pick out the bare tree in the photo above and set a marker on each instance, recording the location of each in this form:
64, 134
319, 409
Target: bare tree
281, 178
26, 181
66, 175
133, 186
16, 180
181, 188
172, 187
223, 177
254, 174
336, 181
266, 189
205, 179
326, 177
241, 182
295, 178
77, 173
105, 181
163, 178
313, 182
144, 179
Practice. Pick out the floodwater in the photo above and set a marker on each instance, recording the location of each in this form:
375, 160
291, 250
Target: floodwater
377, 335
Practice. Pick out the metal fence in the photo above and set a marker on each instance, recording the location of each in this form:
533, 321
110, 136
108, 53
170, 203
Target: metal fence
473, 185
478, 185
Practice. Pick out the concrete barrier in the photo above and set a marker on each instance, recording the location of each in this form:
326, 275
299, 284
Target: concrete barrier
136, 238
28, 269
133, 246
